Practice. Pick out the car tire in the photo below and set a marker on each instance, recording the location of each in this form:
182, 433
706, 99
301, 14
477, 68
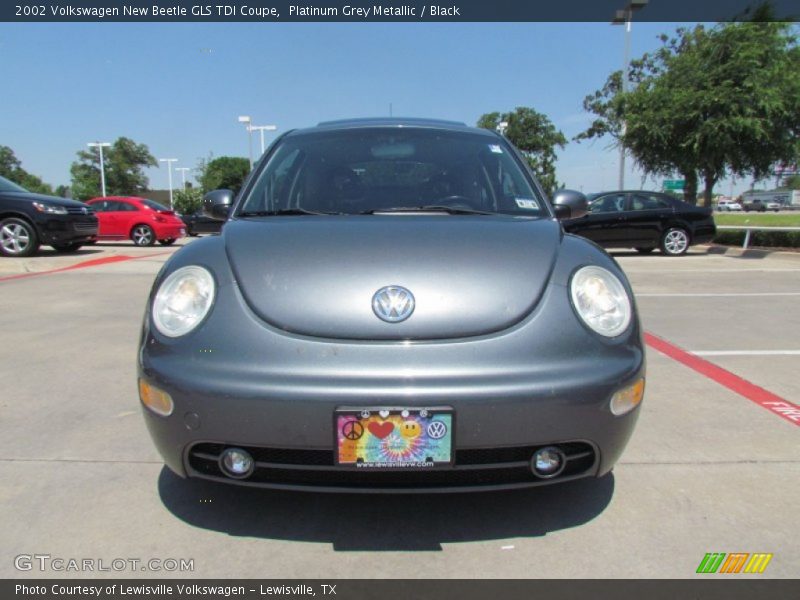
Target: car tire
18, 238
167, 242
644, 250
66, 247
143, 235
675, 241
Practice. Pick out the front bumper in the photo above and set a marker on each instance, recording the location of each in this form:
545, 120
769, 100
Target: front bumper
67, 229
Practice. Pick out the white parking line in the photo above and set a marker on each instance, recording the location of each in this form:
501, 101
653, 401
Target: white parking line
745, 352
717, 294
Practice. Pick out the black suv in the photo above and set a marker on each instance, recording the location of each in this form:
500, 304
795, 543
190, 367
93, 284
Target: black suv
28, 220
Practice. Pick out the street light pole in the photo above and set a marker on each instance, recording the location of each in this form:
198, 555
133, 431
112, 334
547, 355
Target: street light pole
183, 174
247, 121
169, 162
100, 146
625, 16
262, 129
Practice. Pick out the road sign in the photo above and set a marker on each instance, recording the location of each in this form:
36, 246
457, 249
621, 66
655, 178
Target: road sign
673, 184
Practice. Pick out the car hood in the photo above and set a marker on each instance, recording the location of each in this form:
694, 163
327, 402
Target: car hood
317, 275
31, 197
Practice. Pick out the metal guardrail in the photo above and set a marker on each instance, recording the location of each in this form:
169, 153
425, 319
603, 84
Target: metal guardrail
750, 228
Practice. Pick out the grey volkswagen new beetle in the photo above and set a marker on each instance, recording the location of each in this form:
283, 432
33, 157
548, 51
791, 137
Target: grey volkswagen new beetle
392, 306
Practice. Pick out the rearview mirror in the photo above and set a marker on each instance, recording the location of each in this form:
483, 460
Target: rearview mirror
217, 204
570, 204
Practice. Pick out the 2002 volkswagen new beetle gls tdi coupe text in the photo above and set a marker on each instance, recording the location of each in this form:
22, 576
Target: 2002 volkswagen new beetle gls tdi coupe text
392, 305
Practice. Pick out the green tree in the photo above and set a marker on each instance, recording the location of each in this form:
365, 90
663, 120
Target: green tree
11, 169
225, 172
708, 102
124, 161
187, 201
535, 136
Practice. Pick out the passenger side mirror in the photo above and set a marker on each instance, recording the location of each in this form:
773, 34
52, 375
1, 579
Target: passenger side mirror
217, 204
570, 204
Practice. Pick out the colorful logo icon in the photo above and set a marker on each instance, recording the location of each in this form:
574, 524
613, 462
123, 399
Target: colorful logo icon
736, 562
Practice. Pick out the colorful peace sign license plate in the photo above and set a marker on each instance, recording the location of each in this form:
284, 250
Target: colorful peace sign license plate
394, 438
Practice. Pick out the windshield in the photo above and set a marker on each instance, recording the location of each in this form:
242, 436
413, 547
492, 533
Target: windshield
8, 186
362, 171
154, 205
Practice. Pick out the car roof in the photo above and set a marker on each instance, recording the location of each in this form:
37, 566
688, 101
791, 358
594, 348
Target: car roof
398, 122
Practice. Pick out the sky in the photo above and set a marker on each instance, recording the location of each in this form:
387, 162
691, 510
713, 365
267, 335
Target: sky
180, 87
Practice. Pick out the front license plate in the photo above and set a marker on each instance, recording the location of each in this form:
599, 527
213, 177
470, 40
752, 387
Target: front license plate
394, 438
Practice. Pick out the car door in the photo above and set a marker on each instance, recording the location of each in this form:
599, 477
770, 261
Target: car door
645, 220
112, 222
601, 223
101, 211
129, 215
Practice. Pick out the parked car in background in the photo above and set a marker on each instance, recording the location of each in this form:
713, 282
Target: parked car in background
393, 307
198, 222
138, 219
759, 205
729, 206
645, 221
28, 220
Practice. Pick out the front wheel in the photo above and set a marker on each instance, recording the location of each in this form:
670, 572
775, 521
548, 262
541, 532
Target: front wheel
143, 235
167, 242
675, 241
17, 238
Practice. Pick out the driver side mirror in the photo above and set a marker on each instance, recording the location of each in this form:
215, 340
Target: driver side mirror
570, 204
217, 204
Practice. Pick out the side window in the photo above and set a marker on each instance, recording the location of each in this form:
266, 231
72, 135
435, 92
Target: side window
608, 203
112, 206
99, 206
648, 202
125, 207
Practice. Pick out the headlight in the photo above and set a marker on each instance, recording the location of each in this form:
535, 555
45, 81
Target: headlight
600, 300
183, 300
52, 209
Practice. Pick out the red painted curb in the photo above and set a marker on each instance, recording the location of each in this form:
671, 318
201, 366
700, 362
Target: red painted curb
95, 262
764, 398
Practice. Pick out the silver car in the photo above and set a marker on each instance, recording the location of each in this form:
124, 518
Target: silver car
392, 306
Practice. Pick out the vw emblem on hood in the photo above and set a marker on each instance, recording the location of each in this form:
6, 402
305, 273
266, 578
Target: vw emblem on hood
393, 303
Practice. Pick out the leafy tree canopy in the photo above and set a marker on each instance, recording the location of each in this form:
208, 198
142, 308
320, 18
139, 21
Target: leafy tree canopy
225, 172
535, 136
124, 161
708, 102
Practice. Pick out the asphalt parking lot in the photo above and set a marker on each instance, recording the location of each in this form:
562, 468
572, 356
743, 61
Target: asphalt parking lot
713, 465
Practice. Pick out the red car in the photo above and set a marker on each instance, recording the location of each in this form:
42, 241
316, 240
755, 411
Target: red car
138, 219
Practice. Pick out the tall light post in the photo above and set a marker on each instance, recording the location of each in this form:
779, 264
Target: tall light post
100, 146
262, 129
169, 162
624, 17
183, 174
247, 121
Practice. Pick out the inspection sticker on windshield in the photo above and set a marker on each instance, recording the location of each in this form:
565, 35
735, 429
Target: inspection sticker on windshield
526, 203
495, 148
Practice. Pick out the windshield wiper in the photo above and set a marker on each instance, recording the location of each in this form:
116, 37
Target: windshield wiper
453, 210
283, 212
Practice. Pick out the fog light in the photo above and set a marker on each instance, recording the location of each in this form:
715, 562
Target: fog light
548, 462
155, 399
236, 463
626, 399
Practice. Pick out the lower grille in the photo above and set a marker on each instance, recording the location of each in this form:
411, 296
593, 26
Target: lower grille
86, 227
316, 468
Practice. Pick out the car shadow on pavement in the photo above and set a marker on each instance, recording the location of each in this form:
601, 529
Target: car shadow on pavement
384, 522
47, 252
